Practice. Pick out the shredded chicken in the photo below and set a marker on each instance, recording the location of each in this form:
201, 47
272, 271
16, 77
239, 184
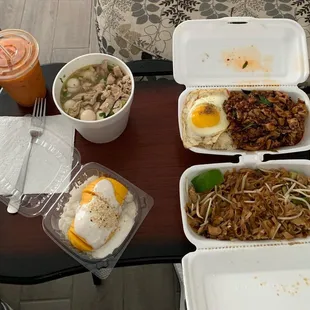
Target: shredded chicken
102, 88
253, 205
117, 72
111, 79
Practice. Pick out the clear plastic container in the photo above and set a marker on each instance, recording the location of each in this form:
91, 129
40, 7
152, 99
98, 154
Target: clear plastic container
100, 267
239, 274
54, 170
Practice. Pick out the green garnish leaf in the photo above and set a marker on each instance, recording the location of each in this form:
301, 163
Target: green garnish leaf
293, 175
298, 202
61, 80
207, 180
65, 93
248, 126
110, 67
264, 100
102, 114
245, 64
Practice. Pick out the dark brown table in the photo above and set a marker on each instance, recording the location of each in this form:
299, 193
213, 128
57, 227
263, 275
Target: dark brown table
149, 154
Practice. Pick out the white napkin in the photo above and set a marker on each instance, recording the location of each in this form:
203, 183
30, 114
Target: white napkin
47, 161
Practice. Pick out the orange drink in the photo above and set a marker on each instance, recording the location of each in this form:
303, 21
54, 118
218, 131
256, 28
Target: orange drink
20, 72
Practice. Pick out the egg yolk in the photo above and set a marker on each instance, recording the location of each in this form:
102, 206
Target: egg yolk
88, 193
205, 116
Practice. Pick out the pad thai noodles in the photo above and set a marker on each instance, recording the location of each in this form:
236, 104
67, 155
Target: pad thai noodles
252, 205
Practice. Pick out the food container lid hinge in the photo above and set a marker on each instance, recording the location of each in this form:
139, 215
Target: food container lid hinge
251, 158
271, 86
258, 244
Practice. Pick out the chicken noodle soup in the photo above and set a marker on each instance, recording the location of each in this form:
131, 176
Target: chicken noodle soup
95, 92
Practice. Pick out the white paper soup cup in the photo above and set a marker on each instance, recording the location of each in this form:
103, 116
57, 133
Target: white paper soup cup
99, 131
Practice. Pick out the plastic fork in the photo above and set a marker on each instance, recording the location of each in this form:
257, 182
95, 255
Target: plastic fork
36, 130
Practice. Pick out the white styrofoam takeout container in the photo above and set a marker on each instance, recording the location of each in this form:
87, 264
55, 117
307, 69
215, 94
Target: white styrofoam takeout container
269, 278
223, 275
199, 48
302, 166
99, 131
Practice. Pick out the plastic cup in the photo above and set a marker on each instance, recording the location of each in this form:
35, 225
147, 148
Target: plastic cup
99, 131
20, 72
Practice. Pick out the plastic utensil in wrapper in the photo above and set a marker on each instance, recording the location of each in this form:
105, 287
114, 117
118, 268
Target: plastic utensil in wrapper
65, 182
20, 72
267, 54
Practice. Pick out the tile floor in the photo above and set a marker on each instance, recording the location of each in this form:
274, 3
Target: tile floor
125, 289
64, 30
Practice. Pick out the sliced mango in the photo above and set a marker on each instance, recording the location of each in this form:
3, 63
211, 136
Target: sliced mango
88, 192
119, 189
78, 242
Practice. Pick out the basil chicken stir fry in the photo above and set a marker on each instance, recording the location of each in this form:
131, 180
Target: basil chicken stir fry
95, 92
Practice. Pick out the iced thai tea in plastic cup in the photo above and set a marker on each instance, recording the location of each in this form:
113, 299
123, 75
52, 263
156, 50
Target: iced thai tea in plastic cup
20, 72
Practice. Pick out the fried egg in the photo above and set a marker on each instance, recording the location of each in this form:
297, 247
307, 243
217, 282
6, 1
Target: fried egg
207, 117
98, 214
203, 117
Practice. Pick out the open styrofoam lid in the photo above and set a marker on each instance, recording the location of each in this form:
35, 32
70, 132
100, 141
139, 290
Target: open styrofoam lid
249, 278
240, 50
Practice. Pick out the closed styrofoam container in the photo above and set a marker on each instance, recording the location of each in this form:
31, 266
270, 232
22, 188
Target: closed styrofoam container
199, 47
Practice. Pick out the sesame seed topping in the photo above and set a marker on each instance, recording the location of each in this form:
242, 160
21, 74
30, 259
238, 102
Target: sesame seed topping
103, 214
